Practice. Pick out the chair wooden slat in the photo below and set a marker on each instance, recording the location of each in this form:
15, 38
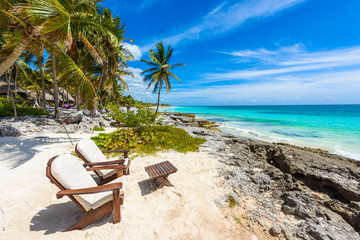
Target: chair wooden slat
165, 169
159, 169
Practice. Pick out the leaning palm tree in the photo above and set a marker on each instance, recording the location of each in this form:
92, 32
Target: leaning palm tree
159, 73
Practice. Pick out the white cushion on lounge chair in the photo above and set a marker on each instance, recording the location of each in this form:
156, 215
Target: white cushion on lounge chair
92, 153
89, 150
71, 174
104, 197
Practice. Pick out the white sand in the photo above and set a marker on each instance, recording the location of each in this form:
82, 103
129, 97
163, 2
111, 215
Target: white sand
29, 208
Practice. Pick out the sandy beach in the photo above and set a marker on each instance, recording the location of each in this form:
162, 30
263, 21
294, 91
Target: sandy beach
29, 208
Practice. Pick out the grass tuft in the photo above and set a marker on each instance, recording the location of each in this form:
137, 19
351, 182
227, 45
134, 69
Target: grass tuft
97, 128
231, 201
238, 220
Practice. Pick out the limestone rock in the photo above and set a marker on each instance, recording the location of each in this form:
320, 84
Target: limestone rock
9, 131
74, 117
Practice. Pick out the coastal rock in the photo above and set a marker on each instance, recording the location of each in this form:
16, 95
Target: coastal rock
9, 131
183, 120
104, 123
275, 230
305, 193
74, 117
34, 124
300, 204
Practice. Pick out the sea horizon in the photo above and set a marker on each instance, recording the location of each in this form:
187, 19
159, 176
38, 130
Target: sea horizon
255, 105
331, 127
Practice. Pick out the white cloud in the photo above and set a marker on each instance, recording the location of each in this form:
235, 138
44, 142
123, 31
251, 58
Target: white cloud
137, 86
216, 10
288, 75
265, 54
290, 60
351, 54
134, 49
223, 19
319, 88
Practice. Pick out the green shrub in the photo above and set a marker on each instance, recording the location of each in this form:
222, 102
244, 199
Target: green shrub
129, 118
149, 140
97, 128
8, 111
19, 100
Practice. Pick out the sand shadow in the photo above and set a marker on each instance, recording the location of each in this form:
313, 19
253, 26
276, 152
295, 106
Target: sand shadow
17, 151
148, 186
59, 217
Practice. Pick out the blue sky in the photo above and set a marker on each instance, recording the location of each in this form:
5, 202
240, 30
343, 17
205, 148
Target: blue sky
249, 52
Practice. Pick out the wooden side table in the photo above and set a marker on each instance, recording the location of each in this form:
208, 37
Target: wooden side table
161, 171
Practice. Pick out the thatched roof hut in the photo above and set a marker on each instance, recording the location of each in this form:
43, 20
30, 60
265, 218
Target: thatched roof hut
64, 96
4, 87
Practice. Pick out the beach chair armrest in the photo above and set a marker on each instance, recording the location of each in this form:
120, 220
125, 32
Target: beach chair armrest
125, 151
121, 161
106, 167
103, 188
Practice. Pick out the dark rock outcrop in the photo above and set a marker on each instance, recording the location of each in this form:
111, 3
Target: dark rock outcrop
74, 117
8, 131
186, 119
306, 193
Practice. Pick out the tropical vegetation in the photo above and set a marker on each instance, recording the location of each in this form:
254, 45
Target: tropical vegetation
8, 111
159, 73
149, 140
128, 118
77, 45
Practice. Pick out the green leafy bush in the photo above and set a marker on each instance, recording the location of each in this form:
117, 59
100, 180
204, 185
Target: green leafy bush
142, 116
149, 140
8, 111
19, 100
97, 128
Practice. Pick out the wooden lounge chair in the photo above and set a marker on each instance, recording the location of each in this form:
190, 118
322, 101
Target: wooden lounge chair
73, 180
89, 152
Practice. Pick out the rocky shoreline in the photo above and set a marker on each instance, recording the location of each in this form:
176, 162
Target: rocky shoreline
290, 191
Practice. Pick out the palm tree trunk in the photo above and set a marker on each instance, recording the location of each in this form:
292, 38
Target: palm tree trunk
62, 96
110, 96
158, 102
14, 105
77, 99
103, 71
43, 105
102, 99
94, 108
15, 54
12, 95
15, 83
56, 91
7, 77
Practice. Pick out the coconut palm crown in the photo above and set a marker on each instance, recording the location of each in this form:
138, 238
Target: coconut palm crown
159, 73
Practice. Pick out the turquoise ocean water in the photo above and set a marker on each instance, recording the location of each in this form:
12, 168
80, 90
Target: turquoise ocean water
335, 128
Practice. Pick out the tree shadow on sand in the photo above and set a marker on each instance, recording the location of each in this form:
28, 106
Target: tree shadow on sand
16, 151
59, 217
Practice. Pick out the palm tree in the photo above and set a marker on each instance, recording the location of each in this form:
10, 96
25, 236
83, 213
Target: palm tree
84, 38
159, 73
